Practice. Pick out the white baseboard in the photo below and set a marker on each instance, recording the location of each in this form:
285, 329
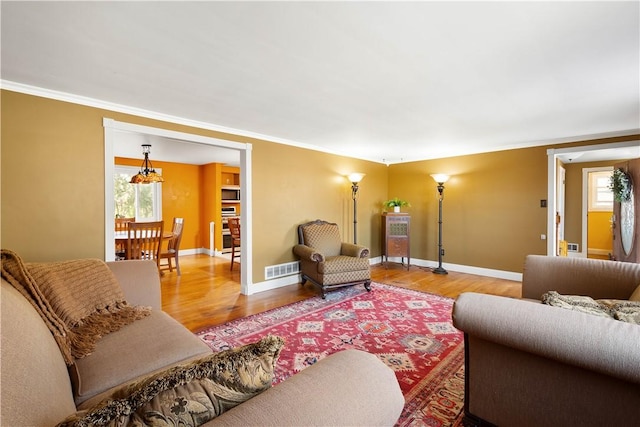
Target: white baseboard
601, 252
268, 285
487, 272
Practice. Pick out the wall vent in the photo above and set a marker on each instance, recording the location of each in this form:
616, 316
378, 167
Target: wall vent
573, 247
281, 270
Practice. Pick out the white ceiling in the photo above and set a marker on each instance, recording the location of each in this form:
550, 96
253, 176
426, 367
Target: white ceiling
129, 145
383, 81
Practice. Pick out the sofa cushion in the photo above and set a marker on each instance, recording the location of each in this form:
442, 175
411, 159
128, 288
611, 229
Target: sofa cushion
138, 349
189, 394
635, 296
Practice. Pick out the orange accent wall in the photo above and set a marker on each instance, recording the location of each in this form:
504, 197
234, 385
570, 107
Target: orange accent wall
210, 206
188, 191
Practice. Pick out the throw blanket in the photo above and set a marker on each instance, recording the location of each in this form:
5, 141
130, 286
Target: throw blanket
79, 300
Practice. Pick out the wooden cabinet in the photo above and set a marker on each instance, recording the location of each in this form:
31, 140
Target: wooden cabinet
395, 236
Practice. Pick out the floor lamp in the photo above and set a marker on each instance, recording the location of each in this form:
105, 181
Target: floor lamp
440, 179
355, 178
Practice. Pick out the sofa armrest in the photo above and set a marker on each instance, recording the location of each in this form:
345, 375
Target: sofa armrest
308, 253
140, 282
353, 250
589, 342
598, 279
348, 388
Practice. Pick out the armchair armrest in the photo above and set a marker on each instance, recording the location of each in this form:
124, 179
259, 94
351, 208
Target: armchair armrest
579, 339
353, 250
308, 253
140, 282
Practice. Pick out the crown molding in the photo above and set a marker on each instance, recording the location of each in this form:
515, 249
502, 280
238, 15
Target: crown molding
97, 103
125, 109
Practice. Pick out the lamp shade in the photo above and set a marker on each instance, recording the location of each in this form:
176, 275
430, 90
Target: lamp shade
147, 174
440, 178
356, 177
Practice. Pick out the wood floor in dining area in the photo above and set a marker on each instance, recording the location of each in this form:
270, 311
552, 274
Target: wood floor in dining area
208, 293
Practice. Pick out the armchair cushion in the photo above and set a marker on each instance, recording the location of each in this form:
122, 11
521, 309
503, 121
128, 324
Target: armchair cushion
343, 263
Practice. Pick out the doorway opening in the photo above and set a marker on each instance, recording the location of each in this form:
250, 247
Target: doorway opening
581, 154
597, 212
114, 129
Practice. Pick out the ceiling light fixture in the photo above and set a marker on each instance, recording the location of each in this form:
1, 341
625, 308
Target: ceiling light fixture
147, 173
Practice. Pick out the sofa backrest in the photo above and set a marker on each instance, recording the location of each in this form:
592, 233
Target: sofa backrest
596, 278
36, 390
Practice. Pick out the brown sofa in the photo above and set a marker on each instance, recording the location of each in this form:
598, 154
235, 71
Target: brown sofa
347, 388
530, 364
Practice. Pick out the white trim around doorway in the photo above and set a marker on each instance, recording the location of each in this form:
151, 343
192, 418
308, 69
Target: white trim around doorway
111, 126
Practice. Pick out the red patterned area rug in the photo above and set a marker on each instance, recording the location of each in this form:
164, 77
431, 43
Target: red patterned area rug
410, 331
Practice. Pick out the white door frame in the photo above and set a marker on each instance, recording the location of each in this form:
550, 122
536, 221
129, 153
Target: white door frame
584, 252
111, 126
552, 156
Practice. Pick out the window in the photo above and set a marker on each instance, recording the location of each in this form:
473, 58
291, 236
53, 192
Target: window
600, 196
142, 201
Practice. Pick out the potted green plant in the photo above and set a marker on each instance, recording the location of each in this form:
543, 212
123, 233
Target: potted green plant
620, 185
396, 204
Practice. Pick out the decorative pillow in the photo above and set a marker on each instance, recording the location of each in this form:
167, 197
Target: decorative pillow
189, 394
583, 304
628, 313
623, 310
635, 296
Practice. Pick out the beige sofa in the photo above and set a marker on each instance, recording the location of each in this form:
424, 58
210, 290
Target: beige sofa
530, 364
347, 388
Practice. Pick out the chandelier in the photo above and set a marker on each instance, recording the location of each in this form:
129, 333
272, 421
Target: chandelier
147, 173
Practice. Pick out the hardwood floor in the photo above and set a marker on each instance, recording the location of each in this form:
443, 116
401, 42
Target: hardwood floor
208, 294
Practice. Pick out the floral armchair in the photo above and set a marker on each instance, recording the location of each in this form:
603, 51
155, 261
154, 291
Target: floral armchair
328, 262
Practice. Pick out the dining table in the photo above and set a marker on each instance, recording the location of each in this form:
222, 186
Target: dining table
122, 236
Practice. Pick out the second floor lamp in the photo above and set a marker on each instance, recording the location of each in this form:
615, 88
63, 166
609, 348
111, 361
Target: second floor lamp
355, 178
440, 179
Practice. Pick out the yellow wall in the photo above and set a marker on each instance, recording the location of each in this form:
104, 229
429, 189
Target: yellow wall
573, 201
53, 192
491, 210
599, 233
53, 184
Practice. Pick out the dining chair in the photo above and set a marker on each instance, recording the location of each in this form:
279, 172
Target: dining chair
173, 247
144, 239
121, 227
234, 229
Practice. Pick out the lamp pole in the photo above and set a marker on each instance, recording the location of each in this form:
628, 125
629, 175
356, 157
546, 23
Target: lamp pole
355, 178
354, 196
440, 180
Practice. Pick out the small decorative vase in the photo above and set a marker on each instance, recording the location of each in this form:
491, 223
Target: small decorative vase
396, 208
